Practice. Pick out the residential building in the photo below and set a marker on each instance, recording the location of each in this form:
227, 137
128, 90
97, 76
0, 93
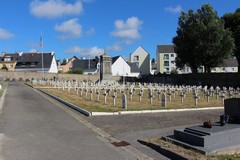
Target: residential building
32, 62
230, 66
165, 57
142, 59
89, 66
29, 62
68, 66
8, 61
121, 68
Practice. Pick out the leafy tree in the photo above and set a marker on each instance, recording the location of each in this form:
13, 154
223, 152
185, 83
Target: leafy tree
202, 39
174, 71
64, 62
232, 21
4, 67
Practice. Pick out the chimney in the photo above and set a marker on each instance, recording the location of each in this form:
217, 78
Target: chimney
67, 60
3, 54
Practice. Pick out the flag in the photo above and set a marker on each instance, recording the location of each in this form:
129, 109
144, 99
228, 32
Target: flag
41, 41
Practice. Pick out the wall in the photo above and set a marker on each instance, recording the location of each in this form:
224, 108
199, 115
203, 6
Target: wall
209, 79
36, 75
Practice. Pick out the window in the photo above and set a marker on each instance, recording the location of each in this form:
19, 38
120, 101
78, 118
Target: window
172, 55
166, 63
32, 64
166, 56
7, 59
223, 68
136, 58
137, 64
233, 69
172, 62
23, 64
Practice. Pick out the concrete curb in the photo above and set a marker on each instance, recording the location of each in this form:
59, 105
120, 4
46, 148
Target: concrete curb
152, 111
83, 111
2, 99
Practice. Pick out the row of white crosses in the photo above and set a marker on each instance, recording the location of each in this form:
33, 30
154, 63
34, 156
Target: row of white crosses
163, 93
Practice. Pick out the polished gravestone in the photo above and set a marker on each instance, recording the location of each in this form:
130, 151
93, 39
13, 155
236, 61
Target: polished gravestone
214, 140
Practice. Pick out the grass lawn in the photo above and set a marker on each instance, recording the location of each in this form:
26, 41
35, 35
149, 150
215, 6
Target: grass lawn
95, 106
4, 84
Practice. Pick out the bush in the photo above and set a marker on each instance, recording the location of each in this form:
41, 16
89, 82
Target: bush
76, 71
60, 71
4, 67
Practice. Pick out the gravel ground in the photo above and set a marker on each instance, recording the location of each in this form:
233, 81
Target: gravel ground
139, 122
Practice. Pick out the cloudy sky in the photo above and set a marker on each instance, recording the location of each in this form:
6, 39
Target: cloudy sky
86, 27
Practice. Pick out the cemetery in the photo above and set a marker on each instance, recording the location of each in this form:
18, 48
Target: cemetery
116, 97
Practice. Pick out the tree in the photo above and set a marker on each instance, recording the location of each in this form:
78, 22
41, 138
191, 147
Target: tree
64, 62
202, 39
232, 21
4, 67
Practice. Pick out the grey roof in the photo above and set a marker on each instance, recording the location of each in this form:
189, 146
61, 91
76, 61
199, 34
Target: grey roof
84, 64
14, 57
34, 60
114, 59
165, 48
231, 62
134, 68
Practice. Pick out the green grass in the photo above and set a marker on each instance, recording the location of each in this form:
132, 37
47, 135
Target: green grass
94, 106
4, 84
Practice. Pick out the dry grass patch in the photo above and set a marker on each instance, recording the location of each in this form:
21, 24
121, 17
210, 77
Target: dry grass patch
95, 106
189, 153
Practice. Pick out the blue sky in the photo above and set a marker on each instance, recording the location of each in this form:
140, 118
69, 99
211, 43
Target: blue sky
86, 27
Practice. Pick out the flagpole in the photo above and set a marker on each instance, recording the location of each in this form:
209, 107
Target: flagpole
41, 44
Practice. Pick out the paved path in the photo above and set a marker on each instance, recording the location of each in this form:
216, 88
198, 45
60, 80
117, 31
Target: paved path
33, 128
132, 127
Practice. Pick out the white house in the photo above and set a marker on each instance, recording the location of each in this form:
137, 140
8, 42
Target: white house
33, 62
121, 68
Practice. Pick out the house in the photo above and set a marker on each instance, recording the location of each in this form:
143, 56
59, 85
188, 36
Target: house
68, 66
32, 62
142, 59
165, 57
89, 66
121, 68
8, 61
230, 66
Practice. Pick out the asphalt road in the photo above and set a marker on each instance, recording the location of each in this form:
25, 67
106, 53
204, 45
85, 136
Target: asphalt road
33, 128
134, 127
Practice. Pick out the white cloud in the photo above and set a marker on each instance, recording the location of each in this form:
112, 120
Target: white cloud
115, 47
69, 29
174, 10
127, 31
55, 8
4, 34
94, 51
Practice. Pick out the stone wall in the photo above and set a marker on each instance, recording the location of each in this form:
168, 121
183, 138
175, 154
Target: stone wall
6, 75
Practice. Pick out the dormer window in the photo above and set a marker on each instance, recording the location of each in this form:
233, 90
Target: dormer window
7, 59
